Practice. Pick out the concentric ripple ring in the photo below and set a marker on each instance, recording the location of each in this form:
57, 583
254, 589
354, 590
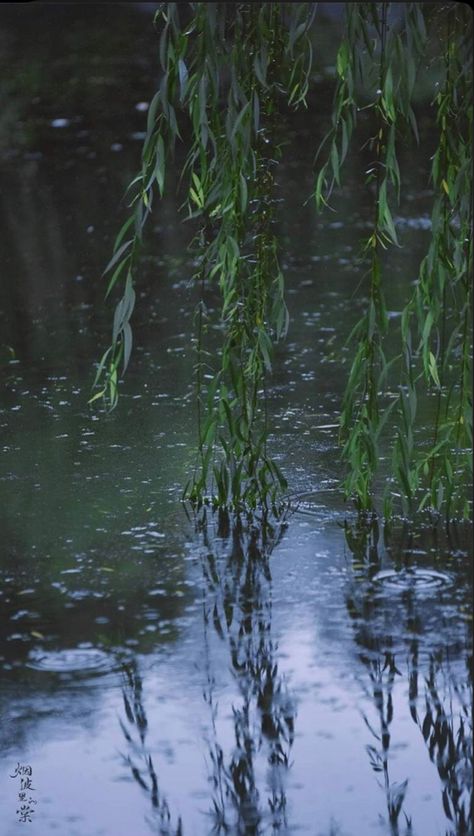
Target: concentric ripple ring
75, 660
416, 580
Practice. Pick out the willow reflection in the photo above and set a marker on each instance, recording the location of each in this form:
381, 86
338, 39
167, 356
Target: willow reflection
237, 606
396, 639
139, 760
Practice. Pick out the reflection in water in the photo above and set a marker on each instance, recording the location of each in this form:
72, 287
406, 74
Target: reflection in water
237, 603
444, 718
135, 726
382, 677
248, 782
392, 630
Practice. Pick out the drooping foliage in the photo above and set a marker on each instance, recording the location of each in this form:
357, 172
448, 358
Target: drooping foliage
385, 76
436, 323
230, 73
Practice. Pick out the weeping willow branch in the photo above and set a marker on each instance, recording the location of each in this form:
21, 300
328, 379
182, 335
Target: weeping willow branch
243, 253
257, 312
225, 67
440, 307
364, 435
229, 72
374, 54
361, 420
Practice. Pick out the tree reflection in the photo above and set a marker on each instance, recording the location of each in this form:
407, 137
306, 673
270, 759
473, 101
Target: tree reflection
393, 635
237, 605
447, 733
382, 679
134, 726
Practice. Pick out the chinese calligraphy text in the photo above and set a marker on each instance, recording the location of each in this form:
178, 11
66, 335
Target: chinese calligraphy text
27, 803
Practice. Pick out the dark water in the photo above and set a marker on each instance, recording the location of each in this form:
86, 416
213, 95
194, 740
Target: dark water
305, 677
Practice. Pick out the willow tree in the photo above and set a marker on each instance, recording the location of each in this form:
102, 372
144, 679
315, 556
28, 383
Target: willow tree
230, 74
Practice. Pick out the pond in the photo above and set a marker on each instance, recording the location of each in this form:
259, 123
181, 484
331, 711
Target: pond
162, 674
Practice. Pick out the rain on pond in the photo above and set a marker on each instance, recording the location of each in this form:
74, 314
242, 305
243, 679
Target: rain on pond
190, 668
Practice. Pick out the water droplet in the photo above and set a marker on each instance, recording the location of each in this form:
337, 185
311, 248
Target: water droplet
19, 614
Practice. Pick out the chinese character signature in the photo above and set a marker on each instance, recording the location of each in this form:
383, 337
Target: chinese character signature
27, 804
22, 769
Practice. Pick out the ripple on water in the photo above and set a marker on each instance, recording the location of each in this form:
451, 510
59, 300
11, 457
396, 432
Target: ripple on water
79, 660
420, 581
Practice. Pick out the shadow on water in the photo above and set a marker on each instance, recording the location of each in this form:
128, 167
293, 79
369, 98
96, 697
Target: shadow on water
391, 612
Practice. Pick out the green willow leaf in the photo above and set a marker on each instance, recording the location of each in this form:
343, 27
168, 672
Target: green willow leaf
229, 74
116, 257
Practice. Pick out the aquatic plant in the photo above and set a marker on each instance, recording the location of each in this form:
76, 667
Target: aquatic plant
230, 74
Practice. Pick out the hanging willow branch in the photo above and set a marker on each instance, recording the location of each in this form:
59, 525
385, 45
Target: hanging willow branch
229, 74
360, 419
241, 252
380, 63
440, 307
225, 69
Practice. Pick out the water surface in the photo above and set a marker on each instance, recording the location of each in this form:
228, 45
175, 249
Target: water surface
166, 674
